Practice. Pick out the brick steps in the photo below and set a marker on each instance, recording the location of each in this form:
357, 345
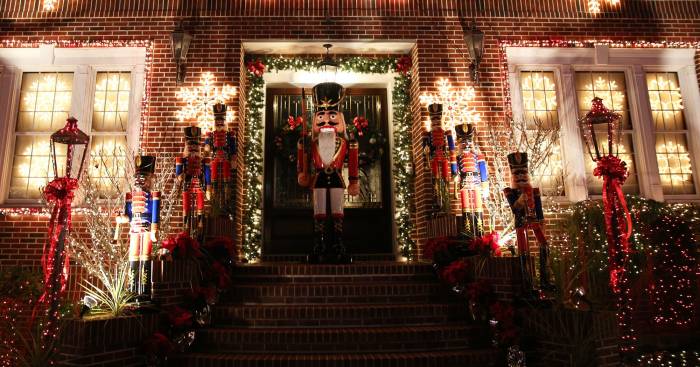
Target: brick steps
338, 339
356, 292
460, 358
371, 314
264, 315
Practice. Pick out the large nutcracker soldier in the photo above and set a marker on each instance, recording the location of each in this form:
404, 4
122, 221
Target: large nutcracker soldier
193, 172
439, 150
142, 212
220, 144
329, 146
474, 180
526, 203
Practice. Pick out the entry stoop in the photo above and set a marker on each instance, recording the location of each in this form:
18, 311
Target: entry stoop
367, 314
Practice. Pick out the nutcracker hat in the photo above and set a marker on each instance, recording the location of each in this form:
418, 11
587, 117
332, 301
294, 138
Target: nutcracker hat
328, 96
145, 164
192, 134
219, 111
465, 131
517, 161
435, 109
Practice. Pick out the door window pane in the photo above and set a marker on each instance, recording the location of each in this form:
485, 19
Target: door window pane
672, 153
611, 88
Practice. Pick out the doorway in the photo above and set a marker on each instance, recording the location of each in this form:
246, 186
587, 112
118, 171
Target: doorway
288, 224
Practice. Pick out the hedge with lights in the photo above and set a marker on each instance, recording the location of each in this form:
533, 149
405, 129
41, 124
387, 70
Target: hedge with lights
253, 153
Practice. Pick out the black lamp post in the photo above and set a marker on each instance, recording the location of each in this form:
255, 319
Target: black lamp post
180, 44
474, 38
618, 222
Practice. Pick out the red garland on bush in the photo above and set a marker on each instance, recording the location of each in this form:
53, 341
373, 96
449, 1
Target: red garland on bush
506, 330
480, 292
179, 317
158, 346
218, 274
486, 245
294, 122
456, 273
403, 65
256, 67
436, 245
360, 124
182, 246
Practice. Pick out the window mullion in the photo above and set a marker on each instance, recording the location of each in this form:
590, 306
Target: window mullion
572, 149
80, 96
688, 82
647, 166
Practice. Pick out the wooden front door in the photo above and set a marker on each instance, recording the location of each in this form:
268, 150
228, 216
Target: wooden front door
288, 223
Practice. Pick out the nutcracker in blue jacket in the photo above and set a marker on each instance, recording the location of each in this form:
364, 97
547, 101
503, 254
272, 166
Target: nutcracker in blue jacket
142, 209
192, 171
474, 180
439, 151
526, 204
221, 146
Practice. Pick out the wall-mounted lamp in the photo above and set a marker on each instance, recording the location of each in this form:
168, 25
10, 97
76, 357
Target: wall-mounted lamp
474, 39
180, 44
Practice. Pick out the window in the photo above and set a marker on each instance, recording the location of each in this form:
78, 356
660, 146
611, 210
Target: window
611, 88
539, 95
41, 87
654, 90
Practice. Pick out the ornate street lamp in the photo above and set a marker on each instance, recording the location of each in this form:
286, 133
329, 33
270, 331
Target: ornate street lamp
180, 45
474, 38
618, 222
59, 195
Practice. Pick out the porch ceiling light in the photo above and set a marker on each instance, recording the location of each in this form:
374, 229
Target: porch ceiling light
328, 67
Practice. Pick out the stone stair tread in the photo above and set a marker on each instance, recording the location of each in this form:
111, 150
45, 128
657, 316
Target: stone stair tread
339, 329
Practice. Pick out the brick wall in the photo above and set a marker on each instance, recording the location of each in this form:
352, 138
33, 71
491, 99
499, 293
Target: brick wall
220, 27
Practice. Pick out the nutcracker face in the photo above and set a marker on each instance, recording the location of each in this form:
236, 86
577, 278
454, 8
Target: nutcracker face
220, 125
520, 178
329, 120
192, 149
143, 181
435, 122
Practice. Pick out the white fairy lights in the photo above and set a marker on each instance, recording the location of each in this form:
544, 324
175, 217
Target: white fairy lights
200, 100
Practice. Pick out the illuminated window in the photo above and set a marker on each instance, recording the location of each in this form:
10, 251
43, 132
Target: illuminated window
45, 103
611, 88
539, 93
110, 119
671, 134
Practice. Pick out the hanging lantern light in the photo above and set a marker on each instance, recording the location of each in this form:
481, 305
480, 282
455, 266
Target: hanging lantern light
180, 45
75, 142
328, 67
474, 38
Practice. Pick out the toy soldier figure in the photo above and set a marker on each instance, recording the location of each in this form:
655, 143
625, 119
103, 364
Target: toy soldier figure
526, 203
329, 146
474, 181
142, 212
220, 144
193, 172
439, 149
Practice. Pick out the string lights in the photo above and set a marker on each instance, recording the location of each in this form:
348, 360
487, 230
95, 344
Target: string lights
199, 102
594, 6
457, 103
49, 5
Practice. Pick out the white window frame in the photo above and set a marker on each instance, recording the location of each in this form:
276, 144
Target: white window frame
84, 63
635, 63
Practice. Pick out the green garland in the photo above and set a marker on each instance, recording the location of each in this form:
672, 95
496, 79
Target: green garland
403, 165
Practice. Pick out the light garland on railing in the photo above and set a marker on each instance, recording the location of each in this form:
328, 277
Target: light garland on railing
49, 5
403, 164
145, 99
594, 5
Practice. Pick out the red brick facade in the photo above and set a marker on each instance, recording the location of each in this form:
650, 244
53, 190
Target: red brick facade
220, 27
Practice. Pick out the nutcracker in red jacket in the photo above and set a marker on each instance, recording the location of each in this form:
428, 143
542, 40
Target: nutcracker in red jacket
193, 172
220, 144
142, 212
329, 147
526, 204
474, 180
439, 150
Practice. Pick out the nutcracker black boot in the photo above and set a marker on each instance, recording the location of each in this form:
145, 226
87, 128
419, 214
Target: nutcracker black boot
545, 284
317, 255
340, 255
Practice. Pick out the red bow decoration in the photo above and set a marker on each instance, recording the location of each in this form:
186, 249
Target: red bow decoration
256, 67
294, 122
455, 273
614, 173
403, 65
360, 123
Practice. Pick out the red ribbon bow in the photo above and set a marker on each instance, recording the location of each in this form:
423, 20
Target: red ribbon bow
403, 65
256, 67
360, 123
294, 122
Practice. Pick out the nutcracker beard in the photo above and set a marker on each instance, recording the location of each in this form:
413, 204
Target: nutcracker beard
328, 192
